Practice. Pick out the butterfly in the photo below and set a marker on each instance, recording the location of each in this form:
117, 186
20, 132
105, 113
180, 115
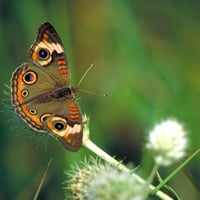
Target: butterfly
41, 92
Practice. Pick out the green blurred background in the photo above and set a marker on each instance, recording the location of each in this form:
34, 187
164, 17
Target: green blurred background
147, 56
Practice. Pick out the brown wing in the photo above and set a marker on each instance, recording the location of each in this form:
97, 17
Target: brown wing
47, 52
66, 125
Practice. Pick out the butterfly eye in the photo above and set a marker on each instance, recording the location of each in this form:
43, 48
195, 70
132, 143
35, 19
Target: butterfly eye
43, 53
33, 111
25, 93
59, 126
30, 77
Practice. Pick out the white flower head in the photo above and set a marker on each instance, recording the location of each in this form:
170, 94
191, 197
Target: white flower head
93, 179
168, 140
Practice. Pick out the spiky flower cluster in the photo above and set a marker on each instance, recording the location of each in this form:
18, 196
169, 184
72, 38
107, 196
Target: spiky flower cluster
99, 181
168, 141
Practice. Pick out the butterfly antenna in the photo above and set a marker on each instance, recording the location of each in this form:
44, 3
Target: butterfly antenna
93, 93
84, 75
88, 91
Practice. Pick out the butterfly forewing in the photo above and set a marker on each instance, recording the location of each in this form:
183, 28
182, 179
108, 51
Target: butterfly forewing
48, 52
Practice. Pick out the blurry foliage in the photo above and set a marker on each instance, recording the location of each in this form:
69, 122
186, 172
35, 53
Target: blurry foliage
148, 61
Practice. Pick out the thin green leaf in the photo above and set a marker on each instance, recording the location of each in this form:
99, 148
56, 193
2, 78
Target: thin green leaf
42, 181
178, 169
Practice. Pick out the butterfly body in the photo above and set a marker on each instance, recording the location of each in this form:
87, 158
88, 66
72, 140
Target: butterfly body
40, 91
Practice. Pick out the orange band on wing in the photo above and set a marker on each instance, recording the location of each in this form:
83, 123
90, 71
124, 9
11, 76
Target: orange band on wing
61, 62
74, 116
73, 109
63, 71
45, 35
50, 126
34, 119
34, 55
20, 87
